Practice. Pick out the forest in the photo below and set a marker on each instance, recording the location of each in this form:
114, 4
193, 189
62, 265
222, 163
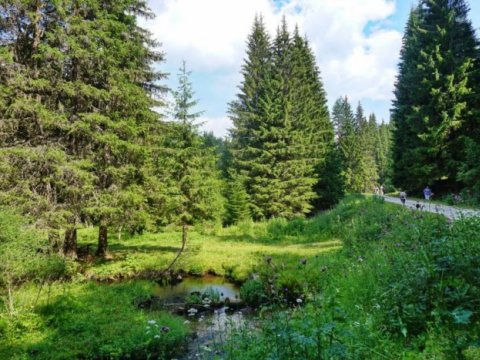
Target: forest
128, 232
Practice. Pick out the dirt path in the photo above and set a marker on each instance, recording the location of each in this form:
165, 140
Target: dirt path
448, 211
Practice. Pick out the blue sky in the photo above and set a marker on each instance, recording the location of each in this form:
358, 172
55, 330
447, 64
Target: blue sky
356, 43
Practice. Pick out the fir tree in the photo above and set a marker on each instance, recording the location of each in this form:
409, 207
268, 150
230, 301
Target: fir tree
350, 152
80, 73
282, 130
190, 190
435, 95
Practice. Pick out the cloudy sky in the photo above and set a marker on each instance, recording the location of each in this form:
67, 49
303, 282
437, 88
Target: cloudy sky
356, 42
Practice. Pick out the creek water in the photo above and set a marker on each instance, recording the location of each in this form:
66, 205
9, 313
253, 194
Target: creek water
177, 294
211, 325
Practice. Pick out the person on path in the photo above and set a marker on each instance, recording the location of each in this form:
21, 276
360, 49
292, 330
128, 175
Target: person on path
403, 197
382, 190
427, 193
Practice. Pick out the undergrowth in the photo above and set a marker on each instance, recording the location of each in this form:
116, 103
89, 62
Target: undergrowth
405, 286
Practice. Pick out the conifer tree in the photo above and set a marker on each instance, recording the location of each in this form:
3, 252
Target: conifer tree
435, 95
190, 191
237, 207
367, 167
252, 106
81, 74
282, 131
310, 108
350, 152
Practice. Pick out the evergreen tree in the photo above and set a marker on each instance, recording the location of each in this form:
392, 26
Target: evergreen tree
350, 152
237, 207
77, 89
367, 167
435, 95
310, 108
282, 131
248, 111
190, 187
382, 150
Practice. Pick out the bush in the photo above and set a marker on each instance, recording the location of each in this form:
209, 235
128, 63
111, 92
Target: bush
252, 293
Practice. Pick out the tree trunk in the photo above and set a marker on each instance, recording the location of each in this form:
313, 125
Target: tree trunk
70, 243
184, 245
102, 241
184, 237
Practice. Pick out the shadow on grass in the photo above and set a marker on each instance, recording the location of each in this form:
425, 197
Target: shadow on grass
102, 321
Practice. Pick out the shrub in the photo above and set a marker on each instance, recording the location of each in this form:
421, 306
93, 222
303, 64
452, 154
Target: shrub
252, 293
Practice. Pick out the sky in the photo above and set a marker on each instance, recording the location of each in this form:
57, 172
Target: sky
356, 43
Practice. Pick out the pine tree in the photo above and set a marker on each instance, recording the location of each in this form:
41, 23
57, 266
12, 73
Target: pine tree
435, 95
190, 188
310, 108
348, 145
81, 74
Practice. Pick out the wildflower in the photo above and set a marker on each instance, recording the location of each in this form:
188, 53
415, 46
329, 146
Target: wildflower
299, 301
157, 336
151, 322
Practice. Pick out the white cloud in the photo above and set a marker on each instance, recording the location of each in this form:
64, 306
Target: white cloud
219, 126
211, 36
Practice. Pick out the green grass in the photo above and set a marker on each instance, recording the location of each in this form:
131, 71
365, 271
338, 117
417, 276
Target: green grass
367, 279
234, 252
87, 321
404, 286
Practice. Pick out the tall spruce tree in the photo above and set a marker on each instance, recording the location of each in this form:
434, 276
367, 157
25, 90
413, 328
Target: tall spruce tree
282, 131
436, 94
310, 108
382, 149
290, 192
77, 90
348, 145
252, 106
190, 188
365, 133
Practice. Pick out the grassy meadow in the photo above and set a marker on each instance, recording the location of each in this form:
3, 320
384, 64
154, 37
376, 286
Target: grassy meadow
366, 280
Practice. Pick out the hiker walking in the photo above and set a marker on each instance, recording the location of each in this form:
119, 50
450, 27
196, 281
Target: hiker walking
382, 190
403, 197
427, 193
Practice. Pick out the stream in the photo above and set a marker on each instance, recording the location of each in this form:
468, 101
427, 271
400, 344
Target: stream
212, 308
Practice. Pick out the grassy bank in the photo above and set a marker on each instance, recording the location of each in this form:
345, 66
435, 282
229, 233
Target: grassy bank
82, 318
233, 252
400, 285
88, 321
405, 286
